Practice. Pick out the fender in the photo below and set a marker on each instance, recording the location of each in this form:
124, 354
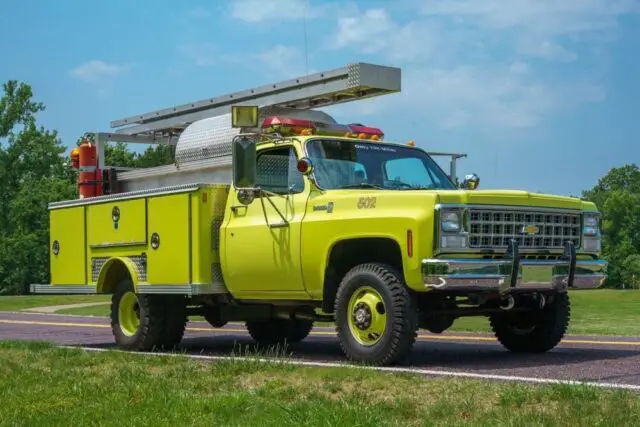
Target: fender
115, 270
355, 250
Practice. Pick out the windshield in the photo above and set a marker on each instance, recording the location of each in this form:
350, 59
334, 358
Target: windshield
342, 164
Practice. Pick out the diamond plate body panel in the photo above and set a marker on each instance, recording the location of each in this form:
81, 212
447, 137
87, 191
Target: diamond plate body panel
218, 208
353, 78
212, 138
493, 228
206, 139
139, 261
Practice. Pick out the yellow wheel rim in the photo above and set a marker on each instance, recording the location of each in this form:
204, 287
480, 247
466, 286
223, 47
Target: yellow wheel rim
367, 316
129, 314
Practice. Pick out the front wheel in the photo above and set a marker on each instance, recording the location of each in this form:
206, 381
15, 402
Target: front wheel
536, 331
376, 317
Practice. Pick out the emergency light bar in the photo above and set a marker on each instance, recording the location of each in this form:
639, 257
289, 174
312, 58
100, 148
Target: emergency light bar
287, 126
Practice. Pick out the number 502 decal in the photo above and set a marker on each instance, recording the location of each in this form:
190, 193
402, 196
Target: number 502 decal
366, 203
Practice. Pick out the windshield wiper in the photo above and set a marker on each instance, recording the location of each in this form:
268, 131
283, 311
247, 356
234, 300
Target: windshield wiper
362, 185
418, 187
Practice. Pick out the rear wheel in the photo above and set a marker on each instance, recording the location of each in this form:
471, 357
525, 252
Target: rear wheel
146, 322
536, 331
376, 317
279, 331
175, 321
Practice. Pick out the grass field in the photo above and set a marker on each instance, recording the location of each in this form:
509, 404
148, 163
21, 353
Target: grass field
20, 302
597, 312
43, 385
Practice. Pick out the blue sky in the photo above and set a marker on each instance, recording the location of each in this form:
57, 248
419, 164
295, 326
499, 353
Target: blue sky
541, 95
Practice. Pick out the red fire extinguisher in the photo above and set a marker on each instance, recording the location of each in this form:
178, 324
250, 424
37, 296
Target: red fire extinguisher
90, 177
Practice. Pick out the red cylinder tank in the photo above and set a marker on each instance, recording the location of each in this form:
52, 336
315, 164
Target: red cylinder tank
90, 178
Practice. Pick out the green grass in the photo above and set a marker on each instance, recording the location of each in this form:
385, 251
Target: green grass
594, 312
43, 385
20, 302
97, 310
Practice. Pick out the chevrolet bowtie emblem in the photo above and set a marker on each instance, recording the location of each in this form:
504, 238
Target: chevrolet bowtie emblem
530, 230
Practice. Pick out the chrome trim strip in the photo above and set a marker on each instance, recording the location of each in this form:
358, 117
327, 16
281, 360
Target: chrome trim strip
118, 244
175, 189
186, 289
494, 275
36, 288
507, 207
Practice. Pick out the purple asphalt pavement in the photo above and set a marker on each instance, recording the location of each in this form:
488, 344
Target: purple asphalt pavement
600, 359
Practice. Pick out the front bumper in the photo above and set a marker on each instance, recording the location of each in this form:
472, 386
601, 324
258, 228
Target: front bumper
513, 274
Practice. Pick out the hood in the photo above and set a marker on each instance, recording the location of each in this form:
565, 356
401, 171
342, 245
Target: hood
510, 197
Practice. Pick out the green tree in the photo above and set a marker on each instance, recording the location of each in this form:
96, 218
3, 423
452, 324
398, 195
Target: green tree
33, 173
631, 271
118, 154
617, 196
158, 155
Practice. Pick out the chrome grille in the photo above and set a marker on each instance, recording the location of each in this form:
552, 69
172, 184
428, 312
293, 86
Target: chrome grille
493, 228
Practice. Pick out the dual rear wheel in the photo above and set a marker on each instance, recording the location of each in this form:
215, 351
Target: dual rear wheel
146, 322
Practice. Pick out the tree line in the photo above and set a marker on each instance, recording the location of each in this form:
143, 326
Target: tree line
35, 171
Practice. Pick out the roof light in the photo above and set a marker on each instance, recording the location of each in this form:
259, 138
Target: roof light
366, 132
287, 126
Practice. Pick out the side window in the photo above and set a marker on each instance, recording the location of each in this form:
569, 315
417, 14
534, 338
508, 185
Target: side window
277, 171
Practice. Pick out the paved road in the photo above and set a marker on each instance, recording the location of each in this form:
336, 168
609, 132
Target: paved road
599, 359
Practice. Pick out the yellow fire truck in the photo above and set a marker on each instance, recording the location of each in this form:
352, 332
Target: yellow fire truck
275, 215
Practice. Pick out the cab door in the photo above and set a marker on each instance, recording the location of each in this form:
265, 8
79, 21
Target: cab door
262, 239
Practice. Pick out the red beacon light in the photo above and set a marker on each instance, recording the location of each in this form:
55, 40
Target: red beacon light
366, 132
287, 126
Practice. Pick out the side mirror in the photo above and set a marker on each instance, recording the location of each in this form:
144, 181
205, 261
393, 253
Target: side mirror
244, 163
470, 182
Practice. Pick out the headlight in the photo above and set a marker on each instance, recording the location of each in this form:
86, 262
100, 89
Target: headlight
591, 233
453, 235
591, 225
450, 221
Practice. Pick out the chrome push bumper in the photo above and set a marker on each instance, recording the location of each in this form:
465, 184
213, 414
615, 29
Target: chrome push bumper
513, 274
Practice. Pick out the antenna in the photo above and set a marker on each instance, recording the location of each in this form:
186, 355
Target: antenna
306, 52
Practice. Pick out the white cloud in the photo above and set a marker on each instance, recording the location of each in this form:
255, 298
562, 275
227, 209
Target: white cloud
551, 17
374, 32
537, 27
273, 10
486, 65
283, 61
95, 71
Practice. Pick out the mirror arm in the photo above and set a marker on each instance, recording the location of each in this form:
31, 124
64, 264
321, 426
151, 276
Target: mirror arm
284, 223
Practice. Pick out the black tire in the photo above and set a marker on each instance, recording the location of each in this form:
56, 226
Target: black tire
175, 321
212, 316
279, 331
534, 332
150, 332
401, 325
